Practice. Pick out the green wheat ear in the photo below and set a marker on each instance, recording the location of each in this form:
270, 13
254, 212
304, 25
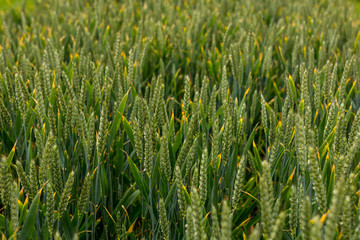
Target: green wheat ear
224, 85
347, 217
316, 228
197, 209
50, 207
21, 96
180, 192
344, 78
204, 94
227, 137
290, 120
14, 207
165, 165
305, 95
239, 182
45, 159
190, 158
215, 228
317, 93
24, 180
120, 226
6, 179
226, 222
316, 177
267, 198
264, 115
84, 195
294, 209
190, 229
149, 151
64, 198
305, 219
277, 228
4, 114
212, 106
163, 219
203, 176
55, 170
335, 209
195, 178
300, 143
138, 135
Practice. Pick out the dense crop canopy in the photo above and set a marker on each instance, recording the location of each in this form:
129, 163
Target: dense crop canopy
180, 120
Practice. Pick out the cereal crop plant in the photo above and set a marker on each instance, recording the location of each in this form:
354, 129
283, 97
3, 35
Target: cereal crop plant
180, 120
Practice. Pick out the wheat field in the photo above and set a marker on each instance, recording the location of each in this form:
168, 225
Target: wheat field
180, 119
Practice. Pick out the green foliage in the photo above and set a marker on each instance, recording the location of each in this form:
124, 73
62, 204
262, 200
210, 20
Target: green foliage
179, 120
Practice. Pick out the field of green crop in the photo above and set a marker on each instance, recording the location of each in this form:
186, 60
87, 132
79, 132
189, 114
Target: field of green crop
180, 119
